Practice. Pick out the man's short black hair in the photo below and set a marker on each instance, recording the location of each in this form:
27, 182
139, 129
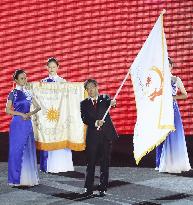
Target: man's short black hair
90, 81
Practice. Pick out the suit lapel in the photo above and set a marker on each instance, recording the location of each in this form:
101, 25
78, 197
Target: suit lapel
94, 111
91, 106
98, 103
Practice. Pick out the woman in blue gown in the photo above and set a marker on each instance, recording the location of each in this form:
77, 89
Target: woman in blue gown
57, 160
172, 155
22, 163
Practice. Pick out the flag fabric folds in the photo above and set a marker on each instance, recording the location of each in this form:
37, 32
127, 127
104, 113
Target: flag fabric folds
151, 80
58, 125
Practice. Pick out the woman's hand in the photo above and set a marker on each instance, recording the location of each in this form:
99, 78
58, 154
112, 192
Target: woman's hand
29, 114
25, 116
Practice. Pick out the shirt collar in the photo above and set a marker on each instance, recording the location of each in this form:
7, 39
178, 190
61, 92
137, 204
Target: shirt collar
93, 98
53, 77
19, 87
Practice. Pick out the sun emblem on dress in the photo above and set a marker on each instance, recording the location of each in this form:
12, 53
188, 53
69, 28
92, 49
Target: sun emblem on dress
52, 114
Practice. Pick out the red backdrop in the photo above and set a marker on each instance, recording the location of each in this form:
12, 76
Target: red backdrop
93, 38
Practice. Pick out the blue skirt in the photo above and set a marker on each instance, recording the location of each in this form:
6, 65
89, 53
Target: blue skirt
22, 163
172, 155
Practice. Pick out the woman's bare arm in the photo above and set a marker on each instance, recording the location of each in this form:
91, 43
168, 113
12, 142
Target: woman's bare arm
37, 108
9, 110
183, 94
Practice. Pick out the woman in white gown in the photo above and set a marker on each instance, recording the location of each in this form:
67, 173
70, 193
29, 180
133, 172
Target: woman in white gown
57, 160
172, 155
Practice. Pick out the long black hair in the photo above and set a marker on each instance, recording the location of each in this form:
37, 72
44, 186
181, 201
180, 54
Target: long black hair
52, 59
170, 61
17, 73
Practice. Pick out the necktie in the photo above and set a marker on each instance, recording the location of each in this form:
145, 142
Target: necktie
95, 103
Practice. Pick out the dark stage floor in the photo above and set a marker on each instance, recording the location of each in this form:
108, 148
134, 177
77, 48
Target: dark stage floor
129, 184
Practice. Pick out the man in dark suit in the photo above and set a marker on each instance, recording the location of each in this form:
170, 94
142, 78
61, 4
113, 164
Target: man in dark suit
98, 141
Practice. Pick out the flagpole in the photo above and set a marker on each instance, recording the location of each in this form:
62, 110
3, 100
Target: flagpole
118, 91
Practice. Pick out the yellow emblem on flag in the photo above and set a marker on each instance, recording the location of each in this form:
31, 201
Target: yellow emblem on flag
52, 114
154, 83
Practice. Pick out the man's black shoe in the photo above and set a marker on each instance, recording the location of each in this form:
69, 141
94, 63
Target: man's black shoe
88, 193
102, 193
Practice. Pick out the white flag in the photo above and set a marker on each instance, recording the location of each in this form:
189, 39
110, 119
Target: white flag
151, 80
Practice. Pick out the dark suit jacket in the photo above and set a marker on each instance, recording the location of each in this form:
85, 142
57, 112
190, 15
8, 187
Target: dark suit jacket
89, 115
